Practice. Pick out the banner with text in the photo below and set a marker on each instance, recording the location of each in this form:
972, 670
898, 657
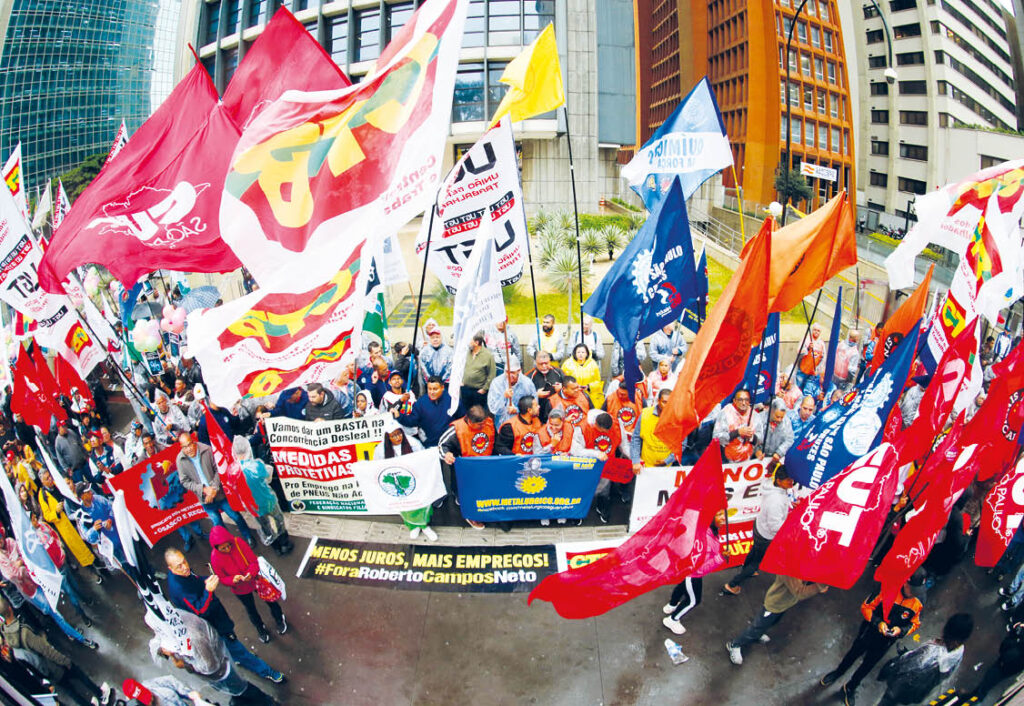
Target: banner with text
314, 459
512, 569
743, 483
505, 488
155, 497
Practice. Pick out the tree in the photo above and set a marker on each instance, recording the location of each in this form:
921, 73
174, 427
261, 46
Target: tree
795, 187
81, 176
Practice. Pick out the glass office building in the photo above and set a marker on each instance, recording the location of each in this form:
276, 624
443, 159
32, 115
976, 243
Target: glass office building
71, 70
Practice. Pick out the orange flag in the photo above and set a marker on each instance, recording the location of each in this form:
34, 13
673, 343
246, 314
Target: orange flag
717, 359
902, 322
809, 252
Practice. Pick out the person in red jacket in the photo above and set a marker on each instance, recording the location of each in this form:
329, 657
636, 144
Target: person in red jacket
237, 567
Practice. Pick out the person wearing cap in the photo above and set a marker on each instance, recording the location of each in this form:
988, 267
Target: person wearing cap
398, 398
181, 394
479, 371
52, 507
19, 471
397, 443
71, 456
161, 691
133, 451
505, 392
373, 379
238, 568
322, 404
436, 357
96, 515
188, 369
257, 476
197, 472
171, 421
105, 453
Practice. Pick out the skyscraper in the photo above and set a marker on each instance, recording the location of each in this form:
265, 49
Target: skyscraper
740, 46
70, 71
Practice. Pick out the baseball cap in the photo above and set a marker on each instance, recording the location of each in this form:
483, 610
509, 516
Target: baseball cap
134, 690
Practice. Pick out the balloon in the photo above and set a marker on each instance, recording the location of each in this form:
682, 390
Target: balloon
91, 284
166, 324
168, 311
179, 316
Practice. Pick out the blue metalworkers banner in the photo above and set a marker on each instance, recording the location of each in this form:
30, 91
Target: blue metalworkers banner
504, 488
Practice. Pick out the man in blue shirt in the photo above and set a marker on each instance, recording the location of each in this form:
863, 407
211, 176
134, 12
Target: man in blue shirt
430, 413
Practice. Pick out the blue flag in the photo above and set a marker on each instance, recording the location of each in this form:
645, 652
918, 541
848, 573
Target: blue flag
833, 343
695, 310
128, 299
852, 426
763, 365
691, 144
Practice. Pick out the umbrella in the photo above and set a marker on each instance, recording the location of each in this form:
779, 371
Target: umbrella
146, 310
200, 298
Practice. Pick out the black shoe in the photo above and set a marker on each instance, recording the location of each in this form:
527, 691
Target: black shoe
264, 635
282, 626
86, 621
279, 679
251, 541
829, 679
849, 695
1005, 592
91, 644
505, 526
602, 516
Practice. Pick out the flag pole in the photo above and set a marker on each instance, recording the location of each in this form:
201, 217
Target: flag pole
576, 215
419, 301
739, 197
807, 332
529, 254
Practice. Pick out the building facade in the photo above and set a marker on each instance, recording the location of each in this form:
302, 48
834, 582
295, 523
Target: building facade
952, 108
595, 44
741, 46
71, 71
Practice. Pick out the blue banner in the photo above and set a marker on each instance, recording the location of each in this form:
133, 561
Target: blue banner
695, 310
505, 488
849, 428
833, 343
762, 366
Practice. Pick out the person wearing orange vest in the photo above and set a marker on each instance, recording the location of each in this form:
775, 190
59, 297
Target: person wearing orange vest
521, 435
603, 442
624, 410
811, 357
473, 435
559, 436
877, 634
573, 401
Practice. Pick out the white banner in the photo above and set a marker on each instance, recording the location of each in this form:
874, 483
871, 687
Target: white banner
19, 263
484, 184
38, 562
15, 180
400, 484
64, 333
679, 153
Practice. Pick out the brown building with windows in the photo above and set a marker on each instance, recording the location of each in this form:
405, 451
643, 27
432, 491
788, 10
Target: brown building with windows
740, 46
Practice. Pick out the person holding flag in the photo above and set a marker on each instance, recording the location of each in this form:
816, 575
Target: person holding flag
268, 514
198, 473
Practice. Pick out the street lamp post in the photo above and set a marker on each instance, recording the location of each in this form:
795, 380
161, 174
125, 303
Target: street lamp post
789, 112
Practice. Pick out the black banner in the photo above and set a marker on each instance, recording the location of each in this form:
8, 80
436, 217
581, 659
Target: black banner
513, 569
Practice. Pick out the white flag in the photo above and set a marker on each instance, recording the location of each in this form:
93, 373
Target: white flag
478, 304
38, 562
19, 262
484, 184
63, 205
400, 484
43, 207
14, 178
120, 140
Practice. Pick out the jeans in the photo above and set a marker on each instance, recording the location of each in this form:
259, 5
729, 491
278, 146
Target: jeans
84, 472
1017, 588
40, 602
232, 683
753, 560
758, 627
214, 509
872, 645
72, 591
192, 528
249, 601
1010, 561
247, 659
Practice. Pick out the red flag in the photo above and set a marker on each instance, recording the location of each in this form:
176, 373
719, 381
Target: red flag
68, 377
29, 398
674, 544
44, 377
997, 425
938, 399
829, 536
717, 359
158, 205
1000, 516
902, 322
232, 481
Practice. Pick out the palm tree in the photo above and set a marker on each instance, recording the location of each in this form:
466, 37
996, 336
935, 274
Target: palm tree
562, 271
613, 237
592, 243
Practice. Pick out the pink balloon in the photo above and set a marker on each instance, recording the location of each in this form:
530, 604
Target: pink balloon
168, 311
179, 316
177, 326
166, 324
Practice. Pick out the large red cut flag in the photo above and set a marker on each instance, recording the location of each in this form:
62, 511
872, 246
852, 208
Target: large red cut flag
68, 378
810, 251
829, 536
158, 204
717, 359
1001, 514
675, 543
29, 398
43, 376
232, 481
902, 322
938, 399
996, 426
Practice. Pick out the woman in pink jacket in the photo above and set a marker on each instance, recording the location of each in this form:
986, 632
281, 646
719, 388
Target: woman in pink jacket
238, 568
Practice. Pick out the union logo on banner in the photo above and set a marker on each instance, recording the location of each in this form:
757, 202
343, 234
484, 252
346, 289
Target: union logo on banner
76, 338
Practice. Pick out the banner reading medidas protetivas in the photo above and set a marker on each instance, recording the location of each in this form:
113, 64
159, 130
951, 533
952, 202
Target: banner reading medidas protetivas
313, 461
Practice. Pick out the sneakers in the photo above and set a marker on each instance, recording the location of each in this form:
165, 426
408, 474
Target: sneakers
735, 654
414, 533
849, 695
264, 635
829, 679
545, 523
430, 534
1004, 592
475, 525
602, 516
276, 677
282, 625
91, 644
764, 639
251, 541
1005, 606
668, 609
673, 625
561, 520
730, 590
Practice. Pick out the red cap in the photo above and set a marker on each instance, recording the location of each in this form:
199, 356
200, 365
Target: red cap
134, 690
10, 456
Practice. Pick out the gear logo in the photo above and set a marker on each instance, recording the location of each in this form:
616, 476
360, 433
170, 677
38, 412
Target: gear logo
531, 478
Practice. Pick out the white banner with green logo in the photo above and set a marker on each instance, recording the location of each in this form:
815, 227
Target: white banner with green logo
400, 484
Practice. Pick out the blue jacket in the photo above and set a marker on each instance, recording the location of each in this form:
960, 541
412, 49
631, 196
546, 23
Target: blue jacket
189, 593
286, 408
432, 417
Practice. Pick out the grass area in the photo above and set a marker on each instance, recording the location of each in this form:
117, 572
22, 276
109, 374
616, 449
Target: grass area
892, 242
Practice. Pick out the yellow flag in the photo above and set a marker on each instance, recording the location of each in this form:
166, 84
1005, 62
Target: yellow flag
534, 79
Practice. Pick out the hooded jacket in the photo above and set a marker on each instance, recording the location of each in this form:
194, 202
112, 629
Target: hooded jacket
329, 409
241, 560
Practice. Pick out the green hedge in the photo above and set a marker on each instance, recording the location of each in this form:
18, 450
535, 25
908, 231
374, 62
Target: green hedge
597, 222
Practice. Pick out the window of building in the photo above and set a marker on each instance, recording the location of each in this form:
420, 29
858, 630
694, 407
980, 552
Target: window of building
787, 24
819, 69
823, 137
987, 161
936, 26
805, 65
212, 10
821, 101
870, 11
782, 130
913, 88
808, 98
915, 152
898, 5
397, 15
823, 10
782, 92
475, 34
879, 147
827, 36
811, 8
468, 104
537, 14
835, 140
833, 104
940, 57
257, 12
911, 186
809, 134
879, 179
910, 58
210, 62
231, 18
792, 60
912, 29
229, 62
913, 117
801, 32
875, 36
338, 34
877, 62
798, 130
495, 88
504, 25
366, 31
815, 36
846, 142
879, 117
832, 74
794, 95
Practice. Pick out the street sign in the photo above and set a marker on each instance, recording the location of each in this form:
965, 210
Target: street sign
818, 172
